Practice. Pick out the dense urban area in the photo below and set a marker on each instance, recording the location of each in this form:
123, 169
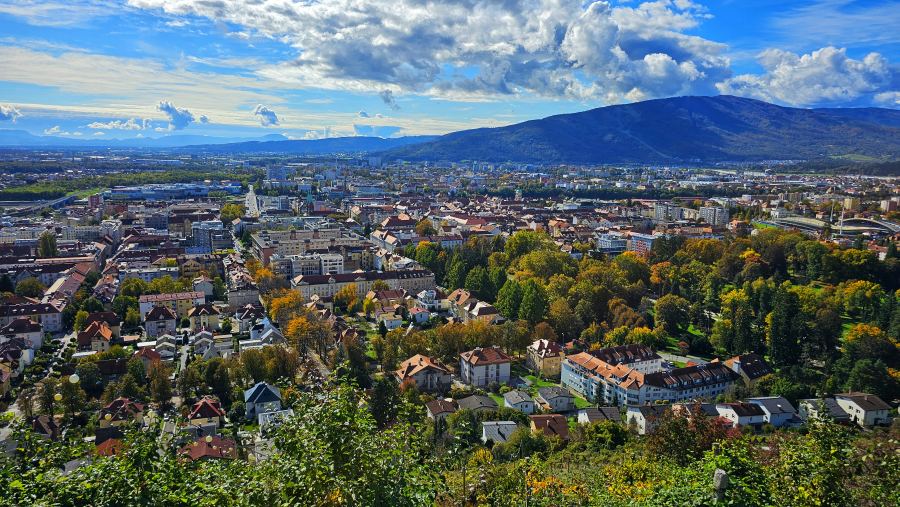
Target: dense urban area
273, 330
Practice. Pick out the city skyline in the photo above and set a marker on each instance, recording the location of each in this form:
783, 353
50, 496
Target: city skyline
113, 70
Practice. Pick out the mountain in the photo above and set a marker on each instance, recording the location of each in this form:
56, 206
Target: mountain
23, 139
679, 129
358, 144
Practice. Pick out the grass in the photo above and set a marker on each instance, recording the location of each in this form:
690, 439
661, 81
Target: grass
497, 399
582, 403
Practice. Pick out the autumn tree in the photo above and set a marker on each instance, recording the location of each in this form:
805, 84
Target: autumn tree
347, 297
47, 245
30, 288
672, 313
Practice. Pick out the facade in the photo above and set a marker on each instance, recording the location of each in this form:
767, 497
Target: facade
864, 409
715, 216
555, 399
329, 285
545, 358
742, 414
777, 410
497, 431
260, 399
179, 302
482, 367
519, 400
159, 321
45, 314
620, 384
644, 418
426, 373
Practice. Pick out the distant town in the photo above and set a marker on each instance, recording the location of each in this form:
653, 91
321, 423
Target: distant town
457, 333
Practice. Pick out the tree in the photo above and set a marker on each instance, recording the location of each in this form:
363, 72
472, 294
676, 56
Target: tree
90, 378
785, 331
734, 332
566, 323
478, 282
346, 297
672, 313
73, 397
543, 331
133, 287
6, 284
385, 401
46, 395
160, 385
509, 298
424, 228
230, 212
30, 288
379, 285
132, 318
81, 320
47, 245
534, 302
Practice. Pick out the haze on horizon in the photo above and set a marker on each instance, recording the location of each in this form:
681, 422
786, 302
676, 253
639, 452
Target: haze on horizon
147, 68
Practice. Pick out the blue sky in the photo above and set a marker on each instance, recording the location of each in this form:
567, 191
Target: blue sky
122, 69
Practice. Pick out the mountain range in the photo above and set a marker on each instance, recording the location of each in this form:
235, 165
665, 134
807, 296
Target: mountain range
679, 129
672, 130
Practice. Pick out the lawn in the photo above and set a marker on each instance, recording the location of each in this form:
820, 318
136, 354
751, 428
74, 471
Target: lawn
497, 399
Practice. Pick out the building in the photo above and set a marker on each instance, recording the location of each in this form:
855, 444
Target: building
611, 243
641, 243
593, 415
519, 400
413, 281
551, 425
25, 329
555, 399
864, 409
715, 216
426, 373
97, 336
438, 410
620, 384
159, 321
476, 403
210, 235
45, 314
544, 358
776, 409
497, 432
742, 414
482, 367
751, 367
824, 408
260, 399
644, 418
204, 316
179, 302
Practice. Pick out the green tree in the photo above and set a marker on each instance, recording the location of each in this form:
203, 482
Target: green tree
672, 314
785, 331
478, 282
160, 385
385, 401
47, 245
534, 302
81, 320
566, 323
46, 395
509, 298
30, 288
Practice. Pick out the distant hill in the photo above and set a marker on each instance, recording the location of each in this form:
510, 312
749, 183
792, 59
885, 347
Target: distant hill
358, 144
23, 139
680, 129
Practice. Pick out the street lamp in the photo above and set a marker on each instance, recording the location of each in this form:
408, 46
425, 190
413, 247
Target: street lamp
57, 397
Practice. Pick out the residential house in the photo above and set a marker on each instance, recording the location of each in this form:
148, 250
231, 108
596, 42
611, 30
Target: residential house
97, 336
823, 408
179, 302
751, 367
482, 367
110, 318
544, 357
247, 316
207, 410
742, 414
391, 320
26, 329
596, 414
440, 409
551, 425
864, 409
419, 315
426, 373
121, 411
778, 411
519, 400
209, 447
260, 399
476, 403
555, 399
204, 316
644, 418
497, 432
45, 314
45, 427
160, 320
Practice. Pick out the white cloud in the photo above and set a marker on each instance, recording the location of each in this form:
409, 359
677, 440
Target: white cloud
266, 116
824, 77
471, 49
130, 124
376, 130
56, 130
9, 113
179, 118
69, 13
99, 133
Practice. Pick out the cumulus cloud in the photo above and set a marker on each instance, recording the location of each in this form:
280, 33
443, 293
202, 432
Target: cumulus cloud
376, 130
824, 77
9, 113
130, 124
179, 118
56, 130
362, 114
204, 119
265, 116
387, 96
475, 50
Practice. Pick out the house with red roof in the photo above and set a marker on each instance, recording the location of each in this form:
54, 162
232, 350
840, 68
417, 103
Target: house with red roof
426, 373
209, 447
484, 366
206, 411
121, 411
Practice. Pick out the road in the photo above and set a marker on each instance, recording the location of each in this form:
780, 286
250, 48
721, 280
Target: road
681, 359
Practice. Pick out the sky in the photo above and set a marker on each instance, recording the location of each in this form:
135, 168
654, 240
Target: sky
310, 69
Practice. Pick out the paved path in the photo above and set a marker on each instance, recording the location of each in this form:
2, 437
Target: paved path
681, 359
